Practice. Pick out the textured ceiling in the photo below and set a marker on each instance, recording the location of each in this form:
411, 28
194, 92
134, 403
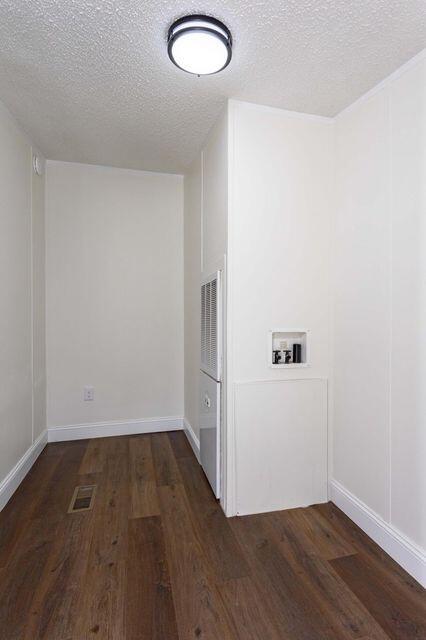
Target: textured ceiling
90, 80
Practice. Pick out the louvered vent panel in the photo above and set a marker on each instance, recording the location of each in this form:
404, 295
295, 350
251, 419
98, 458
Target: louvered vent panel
213, 325
203, 325
210, 327
208, 337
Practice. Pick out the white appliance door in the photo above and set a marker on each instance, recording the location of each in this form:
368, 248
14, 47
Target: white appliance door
210, 430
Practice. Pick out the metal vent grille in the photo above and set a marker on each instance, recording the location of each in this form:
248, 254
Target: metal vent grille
213, 325
210, 316
82, 499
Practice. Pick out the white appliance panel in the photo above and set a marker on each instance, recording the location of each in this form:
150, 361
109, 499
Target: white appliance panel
210, 430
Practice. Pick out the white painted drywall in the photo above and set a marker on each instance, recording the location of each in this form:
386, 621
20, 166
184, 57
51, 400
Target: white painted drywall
39, 297
281, 199
215, 196
22, 296
281, 455
192, 301
205, 246
362, 305
380, 302
15, 293
408, 282
114, 266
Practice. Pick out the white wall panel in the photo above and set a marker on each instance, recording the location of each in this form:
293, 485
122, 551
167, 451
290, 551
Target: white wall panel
206, 233
362, 305
408, 444
281, 203
192, 275
380, 305
281, 444
15, 294
114, 293
215, 196
282, 199
39, 297
22, 284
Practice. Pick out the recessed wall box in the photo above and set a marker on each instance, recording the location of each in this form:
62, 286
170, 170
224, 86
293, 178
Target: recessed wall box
292, 357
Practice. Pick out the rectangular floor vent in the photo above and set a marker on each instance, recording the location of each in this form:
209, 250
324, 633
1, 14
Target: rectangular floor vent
82, 499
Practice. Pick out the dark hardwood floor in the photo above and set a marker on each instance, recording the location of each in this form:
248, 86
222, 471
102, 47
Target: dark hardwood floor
156, 559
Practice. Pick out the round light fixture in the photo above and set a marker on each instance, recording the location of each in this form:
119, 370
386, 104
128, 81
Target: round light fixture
199, 44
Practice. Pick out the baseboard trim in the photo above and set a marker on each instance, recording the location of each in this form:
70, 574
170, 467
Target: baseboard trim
14, 478
192, 438
106, 429
411, 557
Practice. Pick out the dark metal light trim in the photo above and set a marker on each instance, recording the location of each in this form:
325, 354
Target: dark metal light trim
174, 35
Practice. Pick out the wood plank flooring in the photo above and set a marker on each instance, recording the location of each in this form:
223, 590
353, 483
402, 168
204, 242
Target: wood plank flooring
156, 559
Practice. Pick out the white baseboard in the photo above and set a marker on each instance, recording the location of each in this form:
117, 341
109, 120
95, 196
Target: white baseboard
192, 438
105, 429
14, 478
411, 557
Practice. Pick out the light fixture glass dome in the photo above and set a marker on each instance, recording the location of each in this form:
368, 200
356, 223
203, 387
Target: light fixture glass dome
199, 44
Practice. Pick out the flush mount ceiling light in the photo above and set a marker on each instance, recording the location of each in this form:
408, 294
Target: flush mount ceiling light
199, 44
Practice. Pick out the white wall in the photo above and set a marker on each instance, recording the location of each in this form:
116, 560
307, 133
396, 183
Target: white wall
22, 403
192, 301
39, 298
206, 232
408, 278
380, 302
362, 305
281, 184
114, 294
215, 196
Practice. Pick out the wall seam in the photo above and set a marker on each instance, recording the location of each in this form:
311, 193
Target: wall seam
46, 318
331, 309
390, 203
32, 290
202, 211
231, 470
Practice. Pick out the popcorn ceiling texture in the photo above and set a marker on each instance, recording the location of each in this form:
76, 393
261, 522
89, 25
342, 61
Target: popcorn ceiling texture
90, 81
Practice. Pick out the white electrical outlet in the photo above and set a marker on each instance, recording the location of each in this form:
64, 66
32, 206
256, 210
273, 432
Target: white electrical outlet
89, 393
